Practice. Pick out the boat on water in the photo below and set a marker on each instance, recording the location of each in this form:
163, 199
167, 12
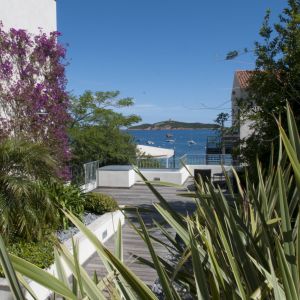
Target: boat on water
192, 142
150, 143
169, 135
170, 141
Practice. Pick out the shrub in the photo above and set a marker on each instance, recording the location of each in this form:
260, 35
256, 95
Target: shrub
100, 203
69, 197
25, 206
39, 253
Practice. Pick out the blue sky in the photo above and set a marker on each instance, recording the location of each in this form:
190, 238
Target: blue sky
166, 54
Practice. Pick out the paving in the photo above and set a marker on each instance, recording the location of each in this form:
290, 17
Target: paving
140, 196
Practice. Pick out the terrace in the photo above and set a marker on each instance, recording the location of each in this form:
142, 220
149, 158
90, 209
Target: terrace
170, 169
141, 197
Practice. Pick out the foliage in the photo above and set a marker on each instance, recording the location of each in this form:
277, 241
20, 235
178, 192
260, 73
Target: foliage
33, 99
100, 203
221, 119
39, 253
275, 80
107, 144
68, 197
97, 109
24, 204
95, 125
245, 246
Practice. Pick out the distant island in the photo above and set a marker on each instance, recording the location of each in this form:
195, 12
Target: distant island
170, 125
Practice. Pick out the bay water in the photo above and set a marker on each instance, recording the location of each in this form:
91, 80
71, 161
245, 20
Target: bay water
182, 141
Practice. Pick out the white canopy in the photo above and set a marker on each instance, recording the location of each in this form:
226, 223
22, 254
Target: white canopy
155, 151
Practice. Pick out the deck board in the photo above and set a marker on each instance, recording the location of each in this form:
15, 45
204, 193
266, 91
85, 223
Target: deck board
141, 197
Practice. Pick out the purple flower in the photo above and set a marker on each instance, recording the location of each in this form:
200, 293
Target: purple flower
32, 79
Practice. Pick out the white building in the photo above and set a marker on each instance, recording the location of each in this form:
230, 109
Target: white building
29, 15
239, 93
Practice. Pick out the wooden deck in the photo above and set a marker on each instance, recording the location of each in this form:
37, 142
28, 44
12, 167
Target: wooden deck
139, 196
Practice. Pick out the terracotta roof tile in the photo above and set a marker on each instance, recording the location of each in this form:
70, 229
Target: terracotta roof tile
244, 77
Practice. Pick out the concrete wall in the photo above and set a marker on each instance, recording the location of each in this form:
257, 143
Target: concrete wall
103, 227
214, 168
29, 15
124, 176
243, 124
166, 175
116, 176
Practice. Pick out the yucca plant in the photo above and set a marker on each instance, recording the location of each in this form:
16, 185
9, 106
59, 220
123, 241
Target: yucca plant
241, 245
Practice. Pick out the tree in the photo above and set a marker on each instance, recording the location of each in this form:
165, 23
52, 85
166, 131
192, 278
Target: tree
96, 129
275, 81
33, 100
220, 120
25, 208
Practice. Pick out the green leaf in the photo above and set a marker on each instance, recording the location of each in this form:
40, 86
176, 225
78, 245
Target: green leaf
231, 259
88, 287
42, 277
164, 280
292, 155
78, 275
287, 278
271, 278
61, 273
293, 131
119, 243
200, 276
139, 287
180, 230
27, 286
9, 272
289, 248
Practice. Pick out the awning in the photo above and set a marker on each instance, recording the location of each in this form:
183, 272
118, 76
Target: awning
155, 151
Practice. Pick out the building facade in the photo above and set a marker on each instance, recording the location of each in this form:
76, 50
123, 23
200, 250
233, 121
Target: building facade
241, 124
31, 15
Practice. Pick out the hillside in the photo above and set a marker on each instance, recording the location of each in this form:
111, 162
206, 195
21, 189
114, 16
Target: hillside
169, 125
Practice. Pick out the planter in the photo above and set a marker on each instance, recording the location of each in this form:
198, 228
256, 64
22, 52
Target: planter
103, 227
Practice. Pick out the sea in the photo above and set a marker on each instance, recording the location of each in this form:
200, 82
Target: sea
179, 140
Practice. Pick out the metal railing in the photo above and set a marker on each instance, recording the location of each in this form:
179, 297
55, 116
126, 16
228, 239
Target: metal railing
90, 171
188, 159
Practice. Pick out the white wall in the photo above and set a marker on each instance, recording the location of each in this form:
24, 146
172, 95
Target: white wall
29, 15
116, 176
243, 123
166, 175
111, 176
214, 168
104, 227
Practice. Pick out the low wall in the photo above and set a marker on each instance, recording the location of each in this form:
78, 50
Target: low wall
116, 176
178, 176
125, 176
214, 168
103, 227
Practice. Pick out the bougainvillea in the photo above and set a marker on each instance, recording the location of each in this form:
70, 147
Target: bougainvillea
33, 98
